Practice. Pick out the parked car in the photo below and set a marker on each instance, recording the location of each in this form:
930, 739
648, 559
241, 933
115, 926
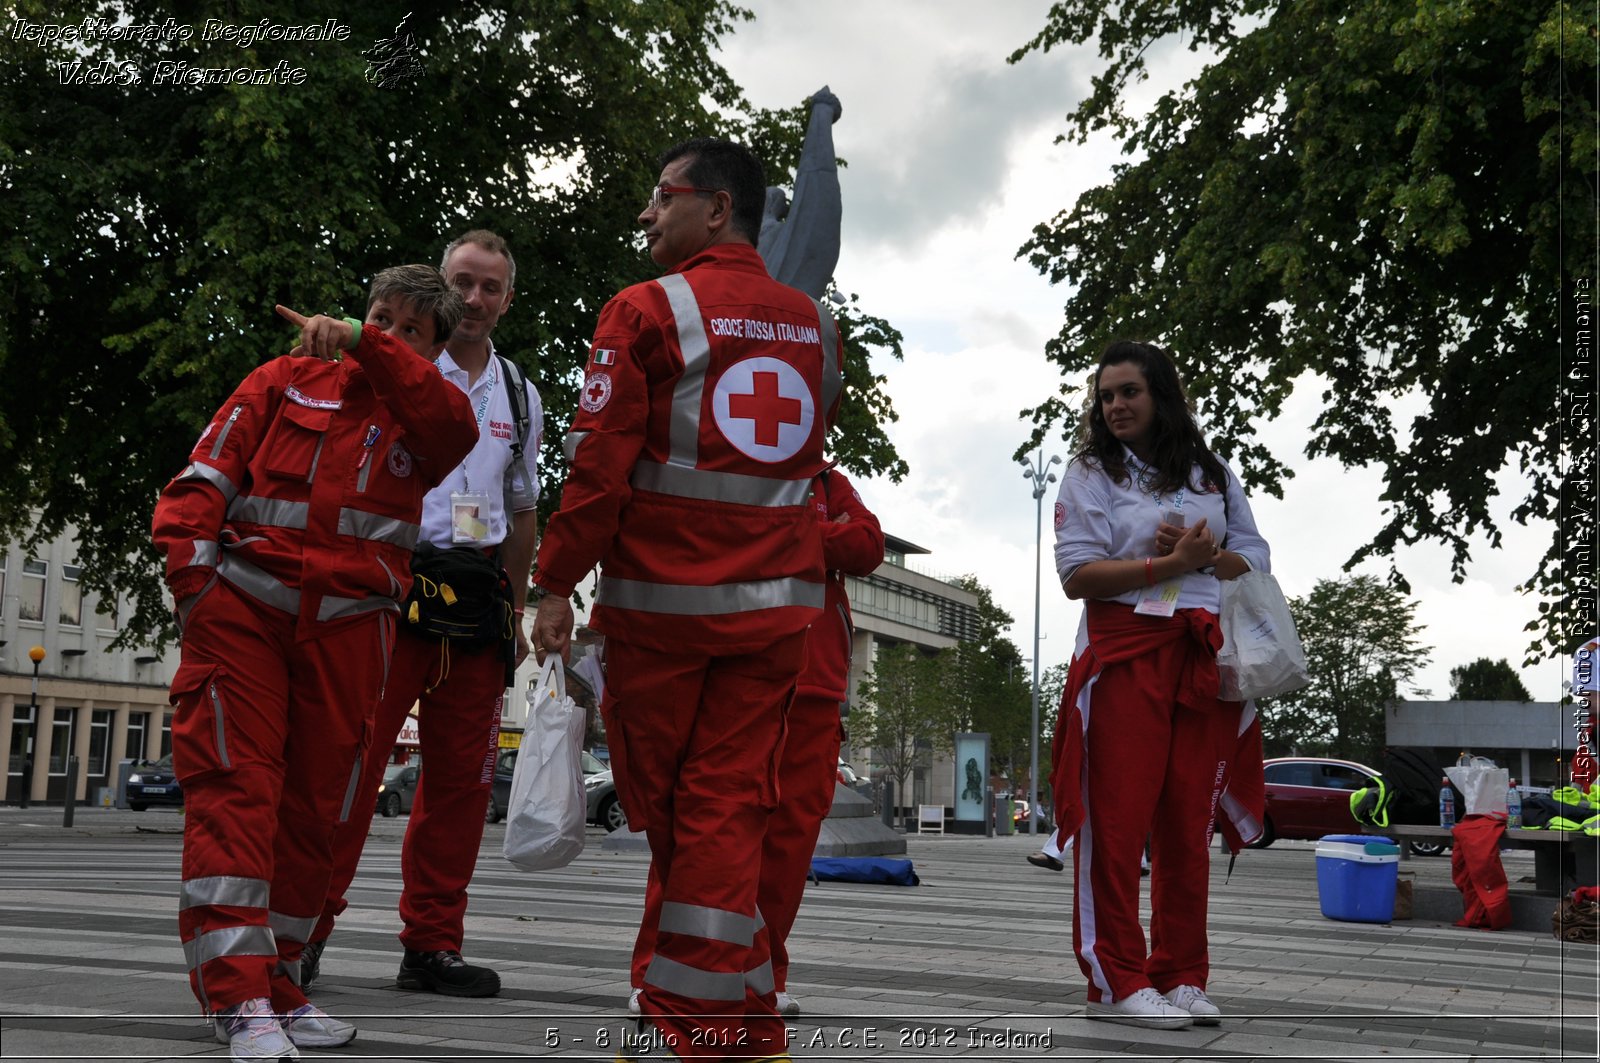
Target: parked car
153, 783
604, 808
506, 766
398, 789
1308, 797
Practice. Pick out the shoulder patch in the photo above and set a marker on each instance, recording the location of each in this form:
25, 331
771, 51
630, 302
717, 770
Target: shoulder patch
596, 392
400, 460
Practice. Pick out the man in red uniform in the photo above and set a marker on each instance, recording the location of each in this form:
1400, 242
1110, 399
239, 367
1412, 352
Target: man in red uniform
700, 428
286, 542
460, 688
852, 544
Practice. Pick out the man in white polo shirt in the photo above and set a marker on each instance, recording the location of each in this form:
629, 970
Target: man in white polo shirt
486, 505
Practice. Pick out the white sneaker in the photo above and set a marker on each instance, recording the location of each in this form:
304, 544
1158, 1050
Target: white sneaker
788, 1006
1193, 999
633, 1001
1145, 1008
308, 1026
252, 1031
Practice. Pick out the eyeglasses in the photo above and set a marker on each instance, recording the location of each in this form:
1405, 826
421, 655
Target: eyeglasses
660, 194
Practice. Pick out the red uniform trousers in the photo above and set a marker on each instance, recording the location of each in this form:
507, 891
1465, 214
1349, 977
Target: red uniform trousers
807, 775
266, 740
459, 728
1153, 768
695, 742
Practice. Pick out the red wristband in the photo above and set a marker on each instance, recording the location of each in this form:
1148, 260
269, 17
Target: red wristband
1149, 572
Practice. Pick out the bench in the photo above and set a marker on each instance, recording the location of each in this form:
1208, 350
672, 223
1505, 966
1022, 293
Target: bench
1559, 857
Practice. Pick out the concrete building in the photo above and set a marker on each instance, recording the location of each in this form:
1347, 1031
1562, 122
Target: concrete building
1534, 740
898, 605
95, 703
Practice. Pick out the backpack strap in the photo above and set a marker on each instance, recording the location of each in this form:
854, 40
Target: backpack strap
517, 396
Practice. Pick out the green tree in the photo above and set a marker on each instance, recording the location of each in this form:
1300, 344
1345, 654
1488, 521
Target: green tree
147, 228
1486, 680
1375, 197
1361, 644
986, 684
901, 709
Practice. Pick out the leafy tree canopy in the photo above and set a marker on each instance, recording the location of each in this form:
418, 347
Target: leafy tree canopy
1486, 680
147, 228
1382, 193
1360, 637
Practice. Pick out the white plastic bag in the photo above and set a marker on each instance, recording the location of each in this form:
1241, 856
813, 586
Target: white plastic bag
1482, 784
1261, 653
545, 815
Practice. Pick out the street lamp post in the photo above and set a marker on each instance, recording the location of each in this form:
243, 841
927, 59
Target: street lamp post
36, 655
1039, 473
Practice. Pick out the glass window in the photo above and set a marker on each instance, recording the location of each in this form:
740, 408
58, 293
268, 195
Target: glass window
1294, 773
166, 734
61, 740
71, 612
134, 750
21, 729
108, 614
1339, 777
99, 741
30, 596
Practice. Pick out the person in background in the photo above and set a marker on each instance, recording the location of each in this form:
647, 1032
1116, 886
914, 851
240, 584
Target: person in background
700, 427
485, 504
287, 541
1148, 521
852, 545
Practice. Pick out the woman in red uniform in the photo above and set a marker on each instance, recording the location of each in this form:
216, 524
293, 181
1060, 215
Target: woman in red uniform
1147, 522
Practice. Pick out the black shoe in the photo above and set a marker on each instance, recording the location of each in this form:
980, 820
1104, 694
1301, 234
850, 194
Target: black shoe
446, 972
1046, 861
311, 963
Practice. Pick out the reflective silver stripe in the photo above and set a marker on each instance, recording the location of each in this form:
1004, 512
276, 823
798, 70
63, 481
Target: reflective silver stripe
832, 374
258, 584
205, 553
316, 456
333, 608
713, 923
719, 486
231, 890
1249, 827
219, 719
222, 436
229, 941
273, 512
569, 446
355, 781
696, 351
213, 476
760, 979
379, 529
688, 981
723, 598
290, 971
291, 927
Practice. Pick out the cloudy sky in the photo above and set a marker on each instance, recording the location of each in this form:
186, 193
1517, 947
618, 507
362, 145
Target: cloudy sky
952, 161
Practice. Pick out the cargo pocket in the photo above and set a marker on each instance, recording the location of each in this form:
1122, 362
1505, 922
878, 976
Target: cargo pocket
200, 722
296, 443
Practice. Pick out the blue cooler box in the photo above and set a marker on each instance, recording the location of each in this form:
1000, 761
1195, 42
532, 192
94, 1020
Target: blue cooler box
1356, 877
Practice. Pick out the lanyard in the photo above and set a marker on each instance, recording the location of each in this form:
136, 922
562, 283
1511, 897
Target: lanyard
1144, 478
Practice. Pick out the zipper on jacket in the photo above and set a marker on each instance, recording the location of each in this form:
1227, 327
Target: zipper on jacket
316, 456
217, 723
222, 436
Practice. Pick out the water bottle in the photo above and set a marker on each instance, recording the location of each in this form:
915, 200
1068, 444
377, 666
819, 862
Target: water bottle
1447, 804
1513, 807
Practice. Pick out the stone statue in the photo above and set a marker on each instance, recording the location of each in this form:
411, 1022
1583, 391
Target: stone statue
800, 239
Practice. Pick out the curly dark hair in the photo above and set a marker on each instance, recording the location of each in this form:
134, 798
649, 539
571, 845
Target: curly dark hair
1176, 444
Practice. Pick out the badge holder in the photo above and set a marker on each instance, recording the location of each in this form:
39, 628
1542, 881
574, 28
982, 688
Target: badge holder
1160, 600
469, 518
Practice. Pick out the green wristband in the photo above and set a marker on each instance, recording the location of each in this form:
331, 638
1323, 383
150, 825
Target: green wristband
356, 324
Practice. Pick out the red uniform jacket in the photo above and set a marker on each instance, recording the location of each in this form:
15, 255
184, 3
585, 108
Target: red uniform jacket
700, 427
305, 491
854, 548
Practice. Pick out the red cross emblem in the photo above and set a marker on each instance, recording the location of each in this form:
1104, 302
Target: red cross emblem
596, 393
767, 407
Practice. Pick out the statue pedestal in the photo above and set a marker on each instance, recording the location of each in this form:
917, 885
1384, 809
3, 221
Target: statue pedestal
851, 829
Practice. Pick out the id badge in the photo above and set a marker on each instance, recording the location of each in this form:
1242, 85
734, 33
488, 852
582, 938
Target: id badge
1160, 600
469, 517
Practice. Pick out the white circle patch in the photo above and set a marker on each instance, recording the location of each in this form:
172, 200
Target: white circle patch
764, 408
596, 392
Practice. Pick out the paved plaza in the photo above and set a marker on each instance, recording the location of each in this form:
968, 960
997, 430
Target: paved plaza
973, 964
